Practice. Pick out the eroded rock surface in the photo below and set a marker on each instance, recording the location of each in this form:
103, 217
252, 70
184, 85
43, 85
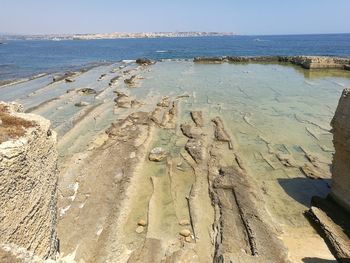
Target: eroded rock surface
341, 159
28, 186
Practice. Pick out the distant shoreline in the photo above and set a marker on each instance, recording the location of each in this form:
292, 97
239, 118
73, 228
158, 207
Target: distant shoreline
116, 35
142, 35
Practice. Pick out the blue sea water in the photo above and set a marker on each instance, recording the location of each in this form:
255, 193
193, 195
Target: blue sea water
22, 58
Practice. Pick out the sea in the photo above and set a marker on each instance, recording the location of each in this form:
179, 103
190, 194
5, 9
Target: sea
25, 58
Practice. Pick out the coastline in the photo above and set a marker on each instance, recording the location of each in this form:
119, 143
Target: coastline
304, 61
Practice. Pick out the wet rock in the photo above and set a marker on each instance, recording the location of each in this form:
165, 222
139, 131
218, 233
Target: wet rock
157, 116
169, 117
195, 148
165, 102
142, 222
185, 233
220, 133
130, 81
197, 118
87, 91
81, 104
157, 154
139, 229
144, 61
190, 131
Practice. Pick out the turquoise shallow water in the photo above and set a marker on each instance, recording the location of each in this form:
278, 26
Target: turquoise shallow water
267, 108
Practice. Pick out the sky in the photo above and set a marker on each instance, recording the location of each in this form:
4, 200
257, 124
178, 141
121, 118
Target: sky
245, 17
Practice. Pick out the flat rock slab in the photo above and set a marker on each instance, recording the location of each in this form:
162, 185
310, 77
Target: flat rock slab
333, 223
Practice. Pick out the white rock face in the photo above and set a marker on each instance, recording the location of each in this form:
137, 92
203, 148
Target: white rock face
341, 159
28, 187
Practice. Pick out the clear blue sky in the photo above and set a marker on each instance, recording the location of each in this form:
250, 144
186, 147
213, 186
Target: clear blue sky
239, 16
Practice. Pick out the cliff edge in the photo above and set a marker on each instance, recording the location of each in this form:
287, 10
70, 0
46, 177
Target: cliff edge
28, 182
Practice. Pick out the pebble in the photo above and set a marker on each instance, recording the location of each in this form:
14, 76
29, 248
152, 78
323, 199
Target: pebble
142, 222
139, 229
185, 232
188, 239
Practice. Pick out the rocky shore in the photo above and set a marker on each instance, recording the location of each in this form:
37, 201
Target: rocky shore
163, 174
307, 62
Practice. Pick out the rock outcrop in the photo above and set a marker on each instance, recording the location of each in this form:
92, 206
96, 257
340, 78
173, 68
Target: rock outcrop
341, 160
307, 62
330, 216
28, 182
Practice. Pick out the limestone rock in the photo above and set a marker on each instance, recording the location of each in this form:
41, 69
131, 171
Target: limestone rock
341, 158
185, 232
197, 118
157, 154
28, 187
195, 147
139, 229
142, 222
190, 131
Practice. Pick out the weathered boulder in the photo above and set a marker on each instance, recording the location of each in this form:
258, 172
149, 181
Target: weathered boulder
28, 182
144, 61
341, 159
